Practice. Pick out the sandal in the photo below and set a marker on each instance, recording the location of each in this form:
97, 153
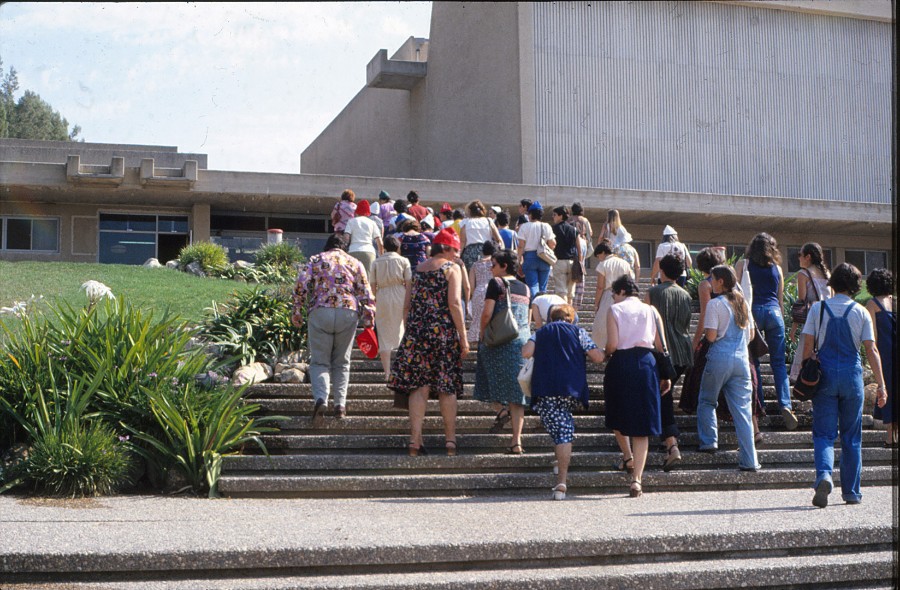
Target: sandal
503, 418
451, 450
636, 491
673, 456
559, 492
512, 450
622, 465
415, 451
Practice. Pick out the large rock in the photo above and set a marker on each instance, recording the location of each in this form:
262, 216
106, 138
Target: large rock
252, 373
152, 263
290, 376
173, 264
195, 269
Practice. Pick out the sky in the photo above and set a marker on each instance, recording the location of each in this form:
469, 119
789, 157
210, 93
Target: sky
249, 84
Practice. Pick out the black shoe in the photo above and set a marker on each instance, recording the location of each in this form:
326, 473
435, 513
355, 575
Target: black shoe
318, 414
822, 491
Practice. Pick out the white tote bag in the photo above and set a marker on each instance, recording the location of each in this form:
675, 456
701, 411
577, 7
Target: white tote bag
525, 378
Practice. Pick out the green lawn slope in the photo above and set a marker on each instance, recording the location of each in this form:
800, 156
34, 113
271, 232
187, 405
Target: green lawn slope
157, 289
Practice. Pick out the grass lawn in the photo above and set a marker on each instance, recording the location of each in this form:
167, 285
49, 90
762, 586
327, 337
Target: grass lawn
157, 289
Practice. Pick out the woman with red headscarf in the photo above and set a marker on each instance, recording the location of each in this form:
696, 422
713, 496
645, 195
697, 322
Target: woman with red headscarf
364, 236
429, 360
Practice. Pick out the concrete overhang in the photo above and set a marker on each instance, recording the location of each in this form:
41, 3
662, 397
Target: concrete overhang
316, 194
382, 72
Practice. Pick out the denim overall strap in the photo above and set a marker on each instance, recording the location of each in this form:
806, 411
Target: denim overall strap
838, 350
733, 344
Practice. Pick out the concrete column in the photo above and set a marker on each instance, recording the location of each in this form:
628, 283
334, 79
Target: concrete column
200, 222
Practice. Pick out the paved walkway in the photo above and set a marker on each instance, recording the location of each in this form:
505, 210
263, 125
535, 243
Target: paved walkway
128, 527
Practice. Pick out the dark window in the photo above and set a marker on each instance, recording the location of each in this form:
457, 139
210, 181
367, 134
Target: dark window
237, 223
172, 224
867, 260
298, 225
127, 248
37, 234
18, 234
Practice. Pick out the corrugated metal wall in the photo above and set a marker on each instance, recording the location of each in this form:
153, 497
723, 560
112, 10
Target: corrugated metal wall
711, 98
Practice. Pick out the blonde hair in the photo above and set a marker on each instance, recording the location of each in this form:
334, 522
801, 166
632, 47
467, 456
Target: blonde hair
613, 220
724, 273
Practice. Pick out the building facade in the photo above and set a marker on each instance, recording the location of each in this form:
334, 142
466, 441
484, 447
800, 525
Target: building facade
722, 119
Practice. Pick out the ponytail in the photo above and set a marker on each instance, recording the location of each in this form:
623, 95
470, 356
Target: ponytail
732, 294
817, 256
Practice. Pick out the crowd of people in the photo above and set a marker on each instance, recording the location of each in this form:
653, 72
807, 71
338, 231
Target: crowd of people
437, 286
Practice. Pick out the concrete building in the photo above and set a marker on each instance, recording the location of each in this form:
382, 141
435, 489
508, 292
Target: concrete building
722, 119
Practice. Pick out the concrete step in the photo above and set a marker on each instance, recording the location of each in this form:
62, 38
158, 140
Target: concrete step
362, 444
481, 424
495, 462
498, 484
864, 570
383, 405
768, 538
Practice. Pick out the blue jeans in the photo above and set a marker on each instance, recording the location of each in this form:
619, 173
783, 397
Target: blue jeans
771, 323
537, 273
838, 407
730, 373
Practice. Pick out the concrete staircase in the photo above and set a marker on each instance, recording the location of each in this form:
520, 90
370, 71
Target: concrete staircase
344, 507
364, 455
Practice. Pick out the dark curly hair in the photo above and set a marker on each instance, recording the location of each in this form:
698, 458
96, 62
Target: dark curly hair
507, 259
846, 278
708, 258
672, 266
625, 284
763, 250
880, 282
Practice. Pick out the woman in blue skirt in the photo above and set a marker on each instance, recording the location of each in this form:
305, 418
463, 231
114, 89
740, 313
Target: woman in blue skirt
631, 383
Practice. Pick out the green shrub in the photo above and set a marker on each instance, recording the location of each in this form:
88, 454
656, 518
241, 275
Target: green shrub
212, 257
78, 460
265, 274
254, 325
280, 254
196, 428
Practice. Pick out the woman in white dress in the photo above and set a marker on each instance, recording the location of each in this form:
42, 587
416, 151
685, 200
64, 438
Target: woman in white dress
391, 273
474, 231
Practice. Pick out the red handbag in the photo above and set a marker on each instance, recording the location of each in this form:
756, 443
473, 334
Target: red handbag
367, 342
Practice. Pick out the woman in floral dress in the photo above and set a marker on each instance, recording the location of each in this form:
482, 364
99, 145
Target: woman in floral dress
429, 360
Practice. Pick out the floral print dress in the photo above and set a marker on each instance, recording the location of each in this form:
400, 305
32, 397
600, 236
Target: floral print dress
429, 353
482, 278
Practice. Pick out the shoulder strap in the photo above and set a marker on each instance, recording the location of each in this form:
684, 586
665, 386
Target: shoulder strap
821, 318
879, 304
849, 309
812, 281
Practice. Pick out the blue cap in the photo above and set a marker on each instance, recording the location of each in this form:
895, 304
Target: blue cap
536, 206
384, 195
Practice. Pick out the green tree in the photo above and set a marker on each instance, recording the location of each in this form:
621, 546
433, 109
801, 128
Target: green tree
30, 117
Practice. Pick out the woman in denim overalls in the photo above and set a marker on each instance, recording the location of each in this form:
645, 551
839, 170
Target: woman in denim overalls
727, 369
837, 407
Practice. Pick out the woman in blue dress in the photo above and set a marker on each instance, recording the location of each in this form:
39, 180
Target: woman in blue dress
880, 284
497, 371
559, 382
839, 326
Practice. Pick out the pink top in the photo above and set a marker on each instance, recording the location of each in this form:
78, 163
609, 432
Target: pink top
636, 322
343, 212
